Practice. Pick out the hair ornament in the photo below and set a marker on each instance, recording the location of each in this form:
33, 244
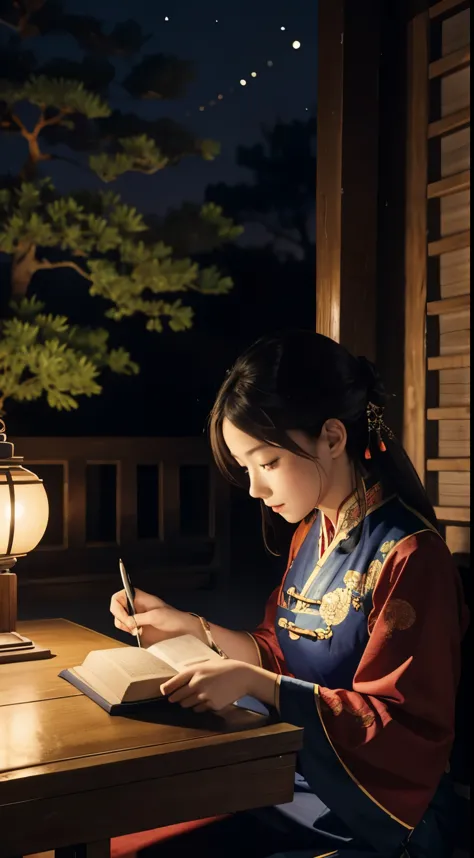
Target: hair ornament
376, 425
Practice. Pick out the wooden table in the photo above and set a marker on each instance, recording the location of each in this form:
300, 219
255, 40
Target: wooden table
71, 774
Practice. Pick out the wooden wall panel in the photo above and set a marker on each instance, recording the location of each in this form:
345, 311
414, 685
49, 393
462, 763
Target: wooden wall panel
454, 387
456, 152
454, 438
454, 334
455, 32
454, 328
454, 488
455, 92
445, 448
455, 212
454, 273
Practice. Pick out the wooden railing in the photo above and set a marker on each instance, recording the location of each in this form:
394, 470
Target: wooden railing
157, 502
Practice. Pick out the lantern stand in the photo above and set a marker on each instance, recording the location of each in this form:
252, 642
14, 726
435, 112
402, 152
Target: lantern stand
23, 520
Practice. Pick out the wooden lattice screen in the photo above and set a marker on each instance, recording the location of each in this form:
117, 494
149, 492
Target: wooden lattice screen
437, 302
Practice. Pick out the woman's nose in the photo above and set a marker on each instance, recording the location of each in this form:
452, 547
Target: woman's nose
258, 489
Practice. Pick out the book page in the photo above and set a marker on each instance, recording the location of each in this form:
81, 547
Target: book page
128, 673
183, 652
130, 662
96, 683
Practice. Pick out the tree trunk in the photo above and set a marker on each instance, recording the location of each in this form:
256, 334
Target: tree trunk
23, 268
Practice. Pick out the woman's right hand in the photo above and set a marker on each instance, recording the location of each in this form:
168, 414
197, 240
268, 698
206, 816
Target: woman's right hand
156, 621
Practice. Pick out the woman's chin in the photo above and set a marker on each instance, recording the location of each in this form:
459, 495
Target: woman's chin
291, 517
294, 516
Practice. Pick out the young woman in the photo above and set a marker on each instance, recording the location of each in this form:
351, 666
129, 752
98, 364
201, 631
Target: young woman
360, 643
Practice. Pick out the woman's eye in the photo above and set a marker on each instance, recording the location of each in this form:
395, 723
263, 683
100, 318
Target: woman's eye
270, 465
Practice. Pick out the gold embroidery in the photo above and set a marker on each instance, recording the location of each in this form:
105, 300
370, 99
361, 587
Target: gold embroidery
365, 719
387, 546
335, 606
352, 579
336, 707
399, 616
371, 577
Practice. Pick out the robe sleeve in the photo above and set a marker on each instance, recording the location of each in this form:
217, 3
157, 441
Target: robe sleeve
264, 636
392, 733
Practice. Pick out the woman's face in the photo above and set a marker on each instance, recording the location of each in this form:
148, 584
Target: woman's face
291, 485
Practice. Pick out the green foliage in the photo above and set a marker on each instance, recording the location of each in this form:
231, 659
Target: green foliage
42, 354
122, 258
139, 154
68, 96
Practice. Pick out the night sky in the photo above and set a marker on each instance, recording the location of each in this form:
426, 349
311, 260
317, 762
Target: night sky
245, 37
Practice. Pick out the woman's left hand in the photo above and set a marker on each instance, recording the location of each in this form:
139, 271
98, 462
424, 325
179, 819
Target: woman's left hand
210, 686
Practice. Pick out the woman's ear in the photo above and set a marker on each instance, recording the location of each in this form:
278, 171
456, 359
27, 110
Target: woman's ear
336, 436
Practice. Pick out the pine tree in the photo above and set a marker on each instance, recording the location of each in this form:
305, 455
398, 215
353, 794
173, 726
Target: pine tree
281, 195
119, 255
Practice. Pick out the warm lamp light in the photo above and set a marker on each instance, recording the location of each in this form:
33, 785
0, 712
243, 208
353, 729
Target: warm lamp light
24, 512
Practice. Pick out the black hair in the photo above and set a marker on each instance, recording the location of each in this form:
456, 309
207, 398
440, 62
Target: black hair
299, 380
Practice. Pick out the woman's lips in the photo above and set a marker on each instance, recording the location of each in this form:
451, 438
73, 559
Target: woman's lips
278, 508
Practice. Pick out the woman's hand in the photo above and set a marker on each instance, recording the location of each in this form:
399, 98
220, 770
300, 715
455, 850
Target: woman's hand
213, 686
154, 620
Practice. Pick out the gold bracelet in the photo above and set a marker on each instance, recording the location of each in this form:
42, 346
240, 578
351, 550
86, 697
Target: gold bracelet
276, 697
207, 631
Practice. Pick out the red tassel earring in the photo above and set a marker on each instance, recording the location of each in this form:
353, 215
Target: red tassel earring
375, 424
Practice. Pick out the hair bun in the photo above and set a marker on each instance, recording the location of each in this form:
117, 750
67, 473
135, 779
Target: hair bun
376, 392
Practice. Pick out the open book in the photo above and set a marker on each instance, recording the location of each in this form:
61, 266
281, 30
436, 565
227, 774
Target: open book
127, 676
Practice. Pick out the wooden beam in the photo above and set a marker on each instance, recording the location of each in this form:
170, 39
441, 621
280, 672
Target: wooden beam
347, 172
415, 242
450, 185
450, 63
446, 6
453, 513
449, 123
448, 305
449, 464
459, 241
449, 361
458, 412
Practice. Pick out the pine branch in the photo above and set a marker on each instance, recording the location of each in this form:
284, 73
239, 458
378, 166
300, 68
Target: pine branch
45, 263
23, 128
53, 120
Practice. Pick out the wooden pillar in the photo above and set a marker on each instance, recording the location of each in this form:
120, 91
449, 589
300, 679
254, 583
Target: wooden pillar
347, 172
414, 422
